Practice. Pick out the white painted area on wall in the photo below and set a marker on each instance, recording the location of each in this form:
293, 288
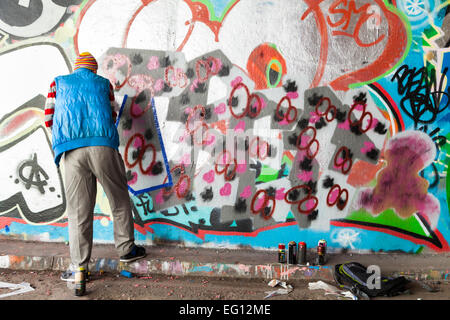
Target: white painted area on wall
104, 24
30, 72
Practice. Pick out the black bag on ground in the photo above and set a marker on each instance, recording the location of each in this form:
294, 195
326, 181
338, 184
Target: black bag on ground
355, 277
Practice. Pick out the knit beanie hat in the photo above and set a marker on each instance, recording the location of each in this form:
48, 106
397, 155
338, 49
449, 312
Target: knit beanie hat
86, 60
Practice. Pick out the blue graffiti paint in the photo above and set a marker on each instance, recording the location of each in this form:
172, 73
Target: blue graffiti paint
201, 269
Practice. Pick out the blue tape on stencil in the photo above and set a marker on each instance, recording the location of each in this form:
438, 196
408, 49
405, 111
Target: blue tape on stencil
163, 150
125, 97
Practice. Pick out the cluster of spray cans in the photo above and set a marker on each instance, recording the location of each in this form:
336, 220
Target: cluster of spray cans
297, 254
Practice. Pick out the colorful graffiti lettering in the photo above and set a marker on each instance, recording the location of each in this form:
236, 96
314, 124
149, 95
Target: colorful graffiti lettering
243, 122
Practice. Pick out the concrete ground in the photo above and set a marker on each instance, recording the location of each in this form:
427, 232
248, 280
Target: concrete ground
46, 285
247, 263
182, 273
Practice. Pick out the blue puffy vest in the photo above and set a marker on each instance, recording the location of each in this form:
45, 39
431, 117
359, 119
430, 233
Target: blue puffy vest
83, 114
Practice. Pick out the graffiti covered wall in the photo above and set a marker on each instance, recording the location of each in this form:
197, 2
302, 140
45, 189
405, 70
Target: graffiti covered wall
242, 123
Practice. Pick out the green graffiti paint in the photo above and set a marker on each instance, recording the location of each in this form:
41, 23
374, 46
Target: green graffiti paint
389, 218
418, 251
278, 69
217, 16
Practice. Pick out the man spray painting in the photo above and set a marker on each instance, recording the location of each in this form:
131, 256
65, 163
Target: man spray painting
81, 117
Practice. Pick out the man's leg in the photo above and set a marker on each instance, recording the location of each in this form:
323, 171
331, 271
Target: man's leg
108, 166
81, 190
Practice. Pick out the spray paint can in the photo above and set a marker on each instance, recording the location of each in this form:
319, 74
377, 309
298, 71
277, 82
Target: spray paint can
301, 254
80, 282
281, 253
321, 252
292, 252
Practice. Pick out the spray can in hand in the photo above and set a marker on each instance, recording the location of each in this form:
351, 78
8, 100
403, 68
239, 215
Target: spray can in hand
80, 282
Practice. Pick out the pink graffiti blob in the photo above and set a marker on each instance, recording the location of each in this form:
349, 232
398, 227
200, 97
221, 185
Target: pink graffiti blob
183, 187
368, 145
279, 195
225, 190
134, 179
241, 168
310, 205
314, 117
236, 81
209, 176
137, 143
240, 126
153, 63
186, 159
304, 140
292, 95
344, 125
209, 141
194, 85
334, 194
256, 104
221, 108
159, 85
159, 197
305, 176
399, 185
259, 204
283, 122
247, 192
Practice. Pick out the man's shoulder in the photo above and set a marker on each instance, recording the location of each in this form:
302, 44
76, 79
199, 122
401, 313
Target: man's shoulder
84, 77
102, 78
62, 77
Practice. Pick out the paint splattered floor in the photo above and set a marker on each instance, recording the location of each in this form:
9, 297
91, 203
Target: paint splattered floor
110, 286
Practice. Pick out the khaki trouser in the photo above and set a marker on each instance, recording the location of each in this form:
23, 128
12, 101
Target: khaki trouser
83, 167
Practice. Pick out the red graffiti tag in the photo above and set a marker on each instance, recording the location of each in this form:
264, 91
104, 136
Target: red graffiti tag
393, 51
290, 109
250, 98
262, 206
307, 142
344, 21
181, 189
346, 162
330, 112
140, 155
224, 159
310, 198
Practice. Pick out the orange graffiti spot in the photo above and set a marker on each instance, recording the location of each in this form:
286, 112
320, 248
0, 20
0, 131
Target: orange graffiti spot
363, 172
220, 125
266, 66
16, 259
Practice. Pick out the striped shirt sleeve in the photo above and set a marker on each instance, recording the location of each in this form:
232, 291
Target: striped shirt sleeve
49, 108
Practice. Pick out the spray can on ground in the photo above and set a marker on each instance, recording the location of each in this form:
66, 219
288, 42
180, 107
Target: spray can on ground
281, 253
321, 252
80, 282
301, 255
292, 252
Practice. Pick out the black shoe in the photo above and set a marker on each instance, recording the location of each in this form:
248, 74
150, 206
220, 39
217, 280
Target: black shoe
137, 252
